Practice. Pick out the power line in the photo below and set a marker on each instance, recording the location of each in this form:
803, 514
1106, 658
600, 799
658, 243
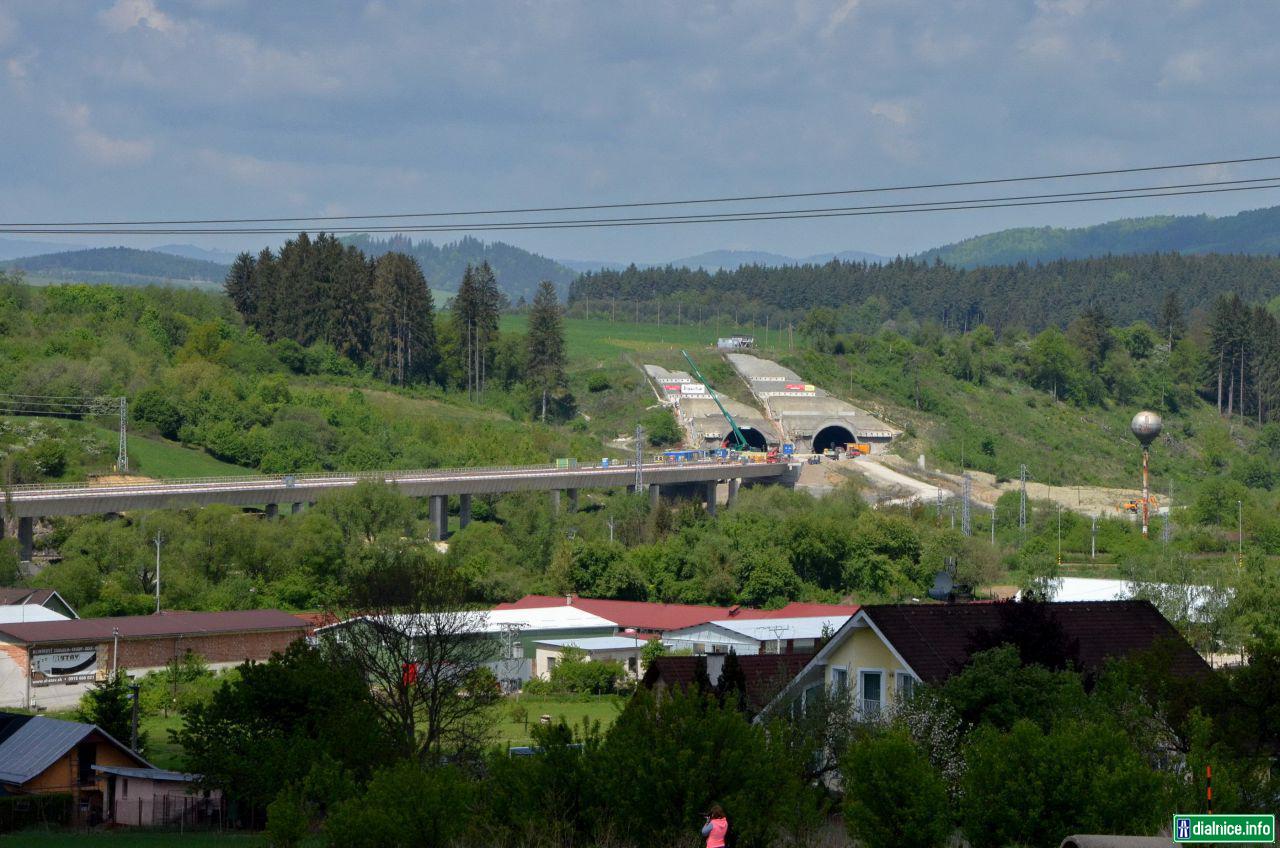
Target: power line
683, 202
719, 218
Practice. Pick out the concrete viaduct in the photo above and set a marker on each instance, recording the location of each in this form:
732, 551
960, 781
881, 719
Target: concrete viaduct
23, 504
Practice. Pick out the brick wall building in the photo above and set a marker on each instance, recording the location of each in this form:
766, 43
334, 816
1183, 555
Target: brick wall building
50, 664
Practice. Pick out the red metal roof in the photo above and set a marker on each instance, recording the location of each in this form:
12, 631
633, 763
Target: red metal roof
798, 609
644, 615
144, 626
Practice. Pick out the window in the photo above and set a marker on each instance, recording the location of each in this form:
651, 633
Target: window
551, 663
124, 788
906, 684
839, 678
811, 695
871, 694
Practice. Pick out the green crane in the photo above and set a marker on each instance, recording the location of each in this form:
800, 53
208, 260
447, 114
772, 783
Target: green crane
739, 441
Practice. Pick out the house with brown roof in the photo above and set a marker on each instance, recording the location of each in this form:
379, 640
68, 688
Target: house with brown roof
50, 664
884, 651
47, 598
763, 675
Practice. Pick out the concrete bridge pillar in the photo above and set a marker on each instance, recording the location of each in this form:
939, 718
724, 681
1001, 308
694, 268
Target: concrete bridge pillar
711, 486
26, 538
573, 499
439, 517
295, 507
273, 510
734, 484
464, 510
555, 501
631, 488
655, 495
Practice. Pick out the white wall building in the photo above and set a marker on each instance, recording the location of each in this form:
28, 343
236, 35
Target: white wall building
755, 636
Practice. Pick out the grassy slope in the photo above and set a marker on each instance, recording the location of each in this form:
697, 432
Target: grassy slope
509, 732
157, 457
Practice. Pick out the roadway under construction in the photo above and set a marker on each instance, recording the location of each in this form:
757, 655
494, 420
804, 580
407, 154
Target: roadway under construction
705, 426
807, 416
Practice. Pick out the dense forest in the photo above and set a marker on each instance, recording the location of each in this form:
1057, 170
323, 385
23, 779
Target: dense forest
120, 260
1256, 231
518, 271
1031, 297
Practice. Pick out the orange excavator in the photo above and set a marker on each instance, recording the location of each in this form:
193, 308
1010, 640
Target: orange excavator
1134, 505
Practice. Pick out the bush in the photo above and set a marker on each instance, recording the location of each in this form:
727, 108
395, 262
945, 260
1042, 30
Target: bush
1029, 787
50, 456
405, 806
661, 428
27, 811
598, 383
287, 820
894, 798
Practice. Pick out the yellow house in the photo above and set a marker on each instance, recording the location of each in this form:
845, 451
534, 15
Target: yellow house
884, 651
858, 659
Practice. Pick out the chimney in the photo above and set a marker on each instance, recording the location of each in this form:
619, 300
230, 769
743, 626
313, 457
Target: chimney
734, 610
568, 600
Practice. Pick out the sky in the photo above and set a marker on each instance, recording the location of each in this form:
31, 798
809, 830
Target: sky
140, 109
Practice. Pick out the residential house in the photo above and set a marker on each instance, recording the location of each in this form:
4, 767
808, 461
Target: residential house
622, 648
764, 675
46, 598
756, 635
884, 651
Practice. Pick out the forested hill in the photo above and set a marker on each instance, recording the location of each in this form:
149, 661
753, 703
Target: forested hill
120, 265
1128, 288
1256, 232
518, 271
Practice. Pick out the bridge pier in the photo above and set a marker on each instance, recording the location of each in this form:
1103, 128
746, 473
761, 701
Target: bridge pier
439, 517
573, 499
655, 495
295, 507
464, 510
26, 538
734, 483
273, 511
631, 488
710, 494
555, 501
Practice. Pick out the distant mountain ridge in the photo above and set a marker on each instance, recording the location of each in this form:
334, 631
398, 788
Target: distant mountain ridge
120, 265
1255, 232
191, 251
730, 260
518, 271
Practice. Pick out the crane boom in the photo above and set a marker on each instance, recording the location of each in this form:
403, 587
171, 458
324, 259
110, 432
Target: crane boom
739, 441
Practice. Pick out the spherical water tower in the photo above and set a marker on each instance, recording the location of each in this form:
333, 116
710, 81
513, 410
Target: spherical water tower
1146, 426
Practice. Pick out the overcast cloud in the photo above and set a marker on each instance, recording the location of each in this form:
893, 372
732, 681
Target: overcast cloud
212, 108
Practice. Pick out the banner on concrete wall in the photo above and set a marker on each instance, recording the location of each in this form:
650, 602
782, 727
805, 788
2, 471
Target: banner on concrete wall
63, 665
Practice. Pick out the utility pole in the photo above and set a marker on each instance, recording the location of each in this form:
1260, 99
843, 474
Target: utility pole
159, 540
1059, 535
993, 525
122, 454
1240, 532
966, 523
133, 722
1093, 540
1022, 501
639, 459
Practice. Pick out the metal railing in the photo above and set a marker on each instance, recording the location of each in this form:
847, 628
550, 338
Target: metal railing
281, 480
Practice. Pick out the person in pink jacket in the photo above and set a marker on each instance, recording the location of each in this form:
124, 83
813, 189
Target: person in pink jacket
716, 827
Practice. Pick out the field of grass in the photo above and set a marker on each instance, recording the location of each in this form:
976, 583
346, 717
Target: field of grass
160, 751
594, 341
510, 731
156, 457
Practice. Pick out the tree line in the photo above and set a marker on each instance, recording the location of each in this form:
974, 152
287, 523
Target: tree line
379, 313
1128, 288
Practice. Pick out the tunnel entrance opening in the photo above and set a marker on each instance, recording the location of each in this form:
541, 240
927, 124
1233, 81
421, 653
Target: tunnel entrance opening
755, 439
832, 437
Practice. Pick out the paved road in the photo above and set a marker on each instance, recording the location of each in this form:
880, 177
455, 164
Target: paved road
87, 499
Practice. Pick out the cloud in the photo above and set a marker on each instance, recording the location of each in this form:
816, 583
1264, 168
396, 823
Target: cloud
896, 113
1185, 68
839, 16
124, 15
100, 147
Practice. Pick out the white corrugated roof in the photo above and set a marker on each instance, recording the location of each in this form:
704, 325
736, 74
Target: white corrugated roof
1105, 589
500, 621
22, 613
595, 643
769, 629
